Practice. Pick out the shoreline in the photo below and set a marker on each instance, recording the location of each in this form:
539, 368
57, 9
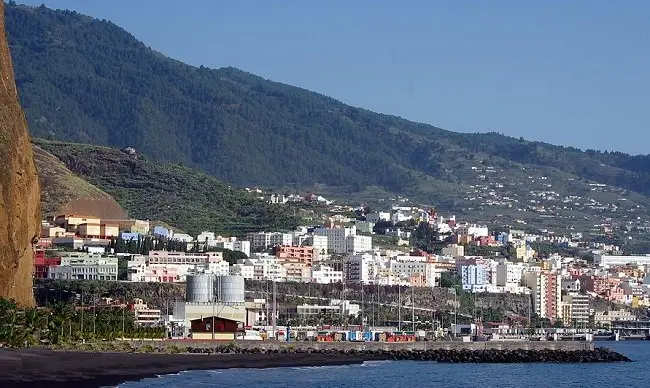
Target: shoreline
40, 367
46, 367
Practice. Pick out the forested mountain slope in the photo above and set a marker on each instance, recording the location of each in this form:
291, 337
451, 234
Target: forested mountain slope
87, 80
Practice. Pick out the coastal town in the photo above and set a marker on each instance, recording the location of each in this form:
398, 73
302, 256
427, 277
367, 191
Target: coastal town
403, 247
333, 195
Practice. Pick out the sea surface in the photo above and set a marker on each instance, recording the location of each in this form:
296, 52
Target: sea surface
411, 374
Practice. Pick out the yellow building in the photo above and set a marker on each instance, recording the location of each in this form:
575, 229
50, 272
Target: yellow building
89, 230
108, 231
565, 313
71, 222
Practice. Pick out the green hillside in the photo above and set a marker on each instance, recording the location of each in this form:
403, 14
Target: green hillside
86, 80
181, 197
63, 192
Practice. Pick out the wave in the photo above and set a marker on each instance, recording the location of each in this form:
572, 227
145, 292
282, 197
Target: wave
375, 363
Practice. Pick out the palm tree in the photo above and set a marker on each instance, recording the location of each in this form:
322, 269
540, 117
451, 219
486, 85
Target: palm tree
35, 323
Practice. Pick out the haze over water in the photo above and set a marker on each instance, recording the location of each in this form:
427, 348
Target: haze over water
428, 374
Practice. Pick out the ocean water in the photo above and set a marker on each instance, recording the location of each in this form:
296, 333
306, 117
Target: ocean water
427, 374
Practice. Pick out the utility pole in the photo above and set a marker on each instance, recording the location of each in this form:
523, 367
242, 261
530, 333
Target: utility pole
433, 319
413, 307
213, 305
94, 315
378, 305
82, 313
362, 305
266, 304
275, 308
399, 306
372, 298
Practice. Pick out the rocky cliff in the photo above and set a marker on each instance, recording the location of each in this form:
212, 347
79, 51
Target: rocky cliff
20, 203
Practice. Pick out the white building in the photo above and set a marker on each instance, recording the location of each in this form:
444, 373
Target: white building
365, 227
221, 268
401, 216
478, 231
344, 240
206, 237
319, 243
605, 318
406, 266
297, 272
453, 251
236, 245
184, 237
267, 267
324, 274
82, 266
264, 240
361, 268
356, 244
243, 269
607, 261
379, 216
336, 238
167, 266
509, 274
336, 307
170, 257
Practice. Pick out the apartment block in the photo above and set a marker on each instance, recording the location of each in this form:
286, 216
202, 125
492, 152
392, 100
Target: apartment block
291, 254
475, 278
546, 290
579, 309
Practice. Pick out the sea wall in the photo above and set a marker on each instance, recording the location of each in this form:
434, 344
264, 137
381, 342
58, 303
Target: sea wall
366, 346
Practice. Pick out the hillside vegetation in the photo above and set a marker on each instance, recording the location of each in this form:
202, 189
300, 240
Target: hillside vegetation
87, 80
63, 192
179, 196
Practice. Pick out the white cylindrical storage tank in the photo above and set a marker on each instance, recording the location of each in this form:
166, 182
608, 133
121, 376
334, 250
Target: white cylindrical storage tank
199, 288
231, 289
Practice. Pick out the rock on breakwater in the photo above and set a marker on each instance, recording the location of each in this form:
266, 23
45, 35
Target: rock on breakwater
442, 355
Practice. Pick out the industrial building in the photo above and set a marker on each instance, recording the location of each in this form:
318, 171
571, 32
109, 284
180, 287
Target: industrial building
216, 328
208, 295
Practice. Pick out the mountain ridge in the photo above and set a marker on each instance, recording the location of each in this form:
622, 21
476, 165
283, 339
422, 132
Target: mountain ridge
86, 80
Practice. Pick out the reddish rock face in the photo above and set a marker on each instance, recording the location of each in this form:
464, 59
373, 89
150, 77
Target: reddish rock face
20, 203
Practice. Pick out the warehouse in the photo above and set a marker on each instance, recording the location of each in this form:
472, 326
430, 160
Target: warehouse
224, 329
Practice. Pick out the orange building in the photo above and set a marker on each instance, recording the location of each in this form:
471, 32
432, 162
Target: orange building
290, 254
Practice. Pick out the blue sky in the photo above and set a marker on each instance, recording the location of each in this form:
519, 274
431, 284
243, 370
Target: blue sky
566, 72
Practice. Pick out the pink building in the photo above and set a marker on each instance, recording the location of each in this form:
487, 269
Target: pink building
486, 241
417, 280
596, 284
615, 294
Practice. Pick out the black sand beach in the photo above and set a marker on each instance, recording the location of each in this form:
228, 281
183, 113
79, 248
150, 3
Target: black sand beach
46, 368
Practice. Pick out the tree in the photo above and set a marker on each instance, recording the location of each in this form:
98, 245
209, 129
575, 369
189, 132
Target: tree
426, 238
